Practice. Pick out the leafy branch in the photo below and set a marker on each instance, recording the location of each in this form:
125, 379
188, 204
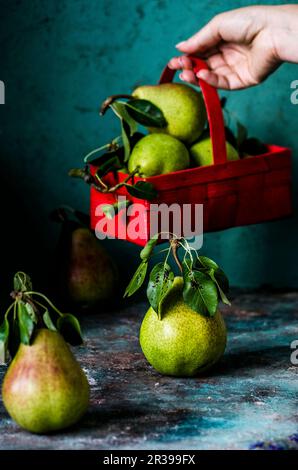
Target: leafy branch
113, 156
29, 311
140, 189
205, 283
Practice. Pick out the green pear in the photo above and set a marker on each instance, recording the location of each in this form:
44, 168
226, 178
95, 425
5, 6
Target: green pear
183, 343
44, 388
182, 106
202, 153
91, 275
158, 154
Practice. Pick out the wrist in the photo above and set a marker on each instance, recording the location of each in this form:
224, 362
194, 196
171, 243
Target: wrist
284, 31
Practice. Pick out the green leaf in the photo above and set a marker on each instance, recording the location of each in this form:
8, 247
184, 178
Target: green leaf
241, 134
110, 210
22, 282
160, 281
119, 108
222, 280
137, 279
4, 336
128, 126
26, 324
200, 293
208, 263
48, 321
146, 113
125, 140
142, 190
31, 312
219, 275
187, 264
69, 327
222, 294
149, 247
108, 164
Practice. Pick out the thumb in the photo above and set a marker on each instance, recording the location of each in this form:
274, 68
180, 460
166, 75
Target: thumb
207, 38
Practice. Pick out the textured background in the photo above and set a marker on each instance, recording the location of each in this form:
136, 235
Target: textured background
250, 399
59, 60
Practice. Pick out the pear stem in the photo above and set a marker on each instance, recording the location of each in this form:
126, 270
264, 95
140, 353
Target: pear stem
174, 242
108, 101
8, 310
102, 184
47, 300
119, 185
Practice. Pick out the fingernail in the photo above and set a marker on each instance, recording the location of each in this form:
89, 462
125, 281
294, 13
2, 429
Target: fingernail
180, 43
181, 76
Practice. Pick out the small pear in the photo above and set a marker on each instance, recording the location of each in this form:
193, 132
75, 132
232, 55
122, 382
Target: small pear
91, 275
202, 153
44, 388
158, 154
183, 108
183, 343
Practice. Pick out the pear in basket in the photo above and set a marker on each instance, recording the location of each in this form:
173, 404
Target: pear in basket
158, 154
183, 108
202, 153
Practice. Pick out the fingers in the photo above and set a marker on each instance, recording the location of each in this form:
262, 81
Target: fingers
229, 81
179, 63
213, 79
189, 77
183, 63
208, 37
219, 76
215, 61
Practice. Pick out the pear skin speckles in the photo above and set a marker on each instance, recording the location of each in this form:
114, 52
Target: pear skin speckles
183, 343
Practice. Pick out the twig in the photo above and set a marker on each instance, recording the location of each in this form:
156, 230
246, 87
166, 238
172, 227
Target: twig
119, 185
108, 101
174, 242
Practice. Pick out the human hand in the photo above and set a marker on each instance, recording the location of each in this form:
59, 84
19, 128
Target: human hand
242, 47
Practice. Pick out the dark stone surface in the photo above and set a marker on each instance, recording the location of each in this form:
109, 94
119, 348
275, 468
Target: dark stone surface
251, 396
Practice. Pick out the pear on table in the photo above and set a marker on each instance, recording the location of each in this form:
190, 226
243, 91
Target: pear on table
91, 274
183, 342
45, 389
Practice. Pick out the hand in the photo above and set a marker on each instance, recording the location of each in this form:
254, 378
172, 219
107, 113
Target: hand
242, 47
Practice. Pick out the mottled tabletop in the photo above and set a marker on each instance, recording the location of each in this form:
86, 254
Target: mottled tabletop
248, 401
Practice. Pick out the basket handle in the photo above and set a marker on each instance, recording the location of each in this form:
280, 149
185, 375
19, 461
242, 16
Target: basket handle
213, 108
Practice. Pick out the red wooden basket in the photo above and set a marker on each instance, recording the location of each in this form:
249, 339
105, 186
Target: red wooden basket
241, 192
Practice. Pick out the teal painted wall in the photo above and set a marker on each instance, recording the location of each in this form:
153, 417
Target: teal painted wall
59, 60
